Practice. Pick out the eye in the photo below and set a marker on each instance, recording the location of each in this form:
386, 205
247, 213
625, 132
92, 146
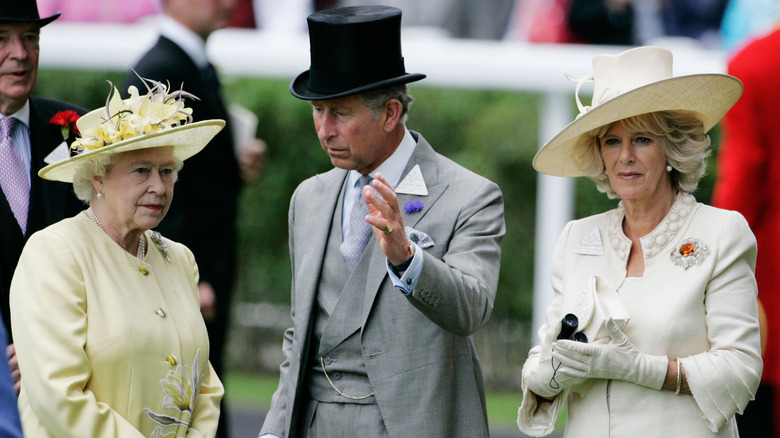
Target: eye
610, 142
141, 170
643, 141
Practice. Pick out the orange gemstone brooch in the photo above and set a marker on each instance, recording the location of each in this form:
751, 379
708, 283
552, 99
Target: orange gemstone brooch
689, 253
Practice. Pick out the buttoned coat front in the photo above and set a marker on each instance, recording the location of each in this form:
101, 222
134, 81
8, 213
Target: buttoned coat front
110, 345
417, 349
705, 315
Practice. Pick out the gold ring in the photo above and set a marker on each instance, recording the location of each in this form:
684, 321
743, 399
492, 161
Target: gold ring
388, 229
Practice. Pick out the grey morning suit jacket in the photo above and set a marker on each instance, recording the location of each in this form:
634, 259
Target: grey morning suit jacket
417, 349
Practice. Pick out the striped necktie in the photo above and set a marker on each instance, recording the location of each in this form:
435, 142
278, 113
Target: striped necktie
359, 230
13, 177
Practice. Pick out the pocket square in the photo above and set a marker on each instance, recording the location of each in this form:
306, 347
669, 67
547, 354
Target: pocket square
418, 238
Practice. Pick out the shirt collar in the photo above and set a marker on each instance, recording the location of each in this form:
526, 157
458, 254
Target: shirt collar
189, 41
393, 167
23, 115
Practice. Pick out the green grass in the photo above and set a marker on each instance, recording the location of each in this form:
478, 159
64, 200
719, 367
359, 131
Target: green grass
255, 390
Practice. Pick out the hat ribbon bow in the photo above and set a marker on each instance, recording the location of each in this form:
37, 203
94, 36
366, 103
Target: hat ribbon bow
580, 80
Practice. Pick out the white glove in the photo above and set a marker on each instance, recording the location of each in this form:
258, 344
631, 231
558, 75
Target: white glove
548, 377
618, 360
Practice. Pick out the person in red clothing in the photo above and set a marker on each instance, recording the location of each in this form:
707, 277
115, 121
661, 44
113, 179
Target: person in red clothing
749, 182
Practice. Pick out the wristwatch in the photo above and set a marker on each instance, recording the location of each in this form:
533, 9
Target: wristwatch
398, 269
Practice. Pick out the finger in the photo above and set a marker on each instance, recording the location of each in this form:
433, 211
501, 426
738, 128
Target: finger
615, 333
385, 189
574, 347
570, 362
570, 372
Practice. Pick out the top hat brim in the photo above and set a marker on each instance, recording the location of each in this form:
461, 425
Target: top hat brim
300, 87
186, 140
709, 96
40, 21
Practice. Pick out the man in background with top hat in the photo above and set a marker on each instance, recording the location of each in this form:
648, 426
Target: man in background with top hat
395, 255
33, 132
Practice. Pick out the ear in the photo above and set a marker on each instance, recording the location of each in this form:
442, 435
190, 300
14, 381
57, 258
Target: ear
392, 115
97, 183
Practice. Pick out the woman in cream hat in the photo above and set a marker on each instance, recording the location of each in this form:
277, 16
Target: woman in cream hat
663, 286
107, 325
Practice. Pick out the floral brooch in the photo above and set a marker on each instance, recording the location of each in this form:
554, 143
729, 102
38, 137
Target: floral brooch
690, 252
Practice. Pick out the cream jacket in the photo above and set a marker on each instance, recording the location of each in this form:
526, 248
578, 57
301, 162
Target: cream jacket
705, 315
110, 345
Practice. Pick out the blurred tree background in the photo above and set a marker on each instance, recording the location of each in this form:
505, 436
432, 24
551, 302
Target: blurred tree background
494, 133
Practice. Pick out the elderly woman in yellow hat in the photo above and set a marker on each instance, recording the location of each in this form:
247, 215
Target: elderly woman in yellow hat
107, 326
653, 330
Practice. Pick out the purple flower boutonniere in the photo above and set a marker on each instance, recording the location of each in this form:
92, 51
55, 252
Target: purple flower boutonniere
413, 206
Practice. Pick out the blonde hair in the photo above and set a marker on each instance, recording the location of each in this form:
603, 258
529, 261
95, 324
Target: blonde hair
686, 147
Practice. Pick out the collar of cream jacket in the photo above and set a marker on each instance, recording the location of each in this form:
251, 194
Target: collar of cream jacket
660, 237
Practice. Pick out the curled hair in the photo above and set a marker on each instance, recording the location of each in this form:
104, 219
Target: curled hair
686, 148
99, 167
376, 100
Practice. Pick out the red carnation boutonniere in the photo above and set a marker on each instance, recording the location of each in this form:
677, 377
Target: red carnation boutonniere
67, 121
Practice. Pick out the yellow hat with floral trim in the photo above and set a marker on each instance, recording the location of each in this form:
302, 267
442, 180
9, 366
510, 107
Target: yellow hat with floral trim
155, 119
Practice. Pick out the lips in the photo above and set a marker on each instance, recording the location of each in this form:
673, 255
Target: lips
153, 207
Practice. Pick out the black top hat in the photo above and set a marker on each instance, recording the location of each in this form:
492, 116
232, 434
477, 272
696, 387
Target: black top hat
23, 11
353, 50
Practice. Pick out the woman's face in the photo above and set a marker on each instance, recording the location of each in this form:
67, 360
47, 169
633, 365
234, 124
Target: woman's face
138, 189
635, 163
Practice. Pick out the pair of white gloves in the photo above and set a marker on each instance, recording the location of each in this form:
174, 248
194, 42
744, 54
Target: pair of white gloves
570, 363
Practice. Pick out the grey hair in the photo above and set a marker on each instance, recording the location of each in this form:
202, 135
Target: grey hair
376, 100
686, 147
99, 167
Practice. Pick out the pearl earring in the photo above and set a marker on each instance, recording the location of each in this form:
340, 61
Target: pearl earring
668, 167
99, 195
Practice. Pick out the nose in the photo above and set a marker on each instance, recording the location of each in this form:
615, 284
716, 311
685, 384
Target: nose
156, 184
324, 124
17, 48
626, 151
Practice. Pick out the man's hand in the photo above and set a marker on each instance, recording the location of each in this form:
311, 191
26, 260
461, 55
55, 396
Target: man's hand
251, 159
13, 364
387, 221
208, 301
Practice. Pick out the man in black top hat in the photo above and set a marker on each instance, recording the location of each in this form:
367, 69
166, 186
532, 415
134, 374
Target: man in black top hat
29, 140
395, 255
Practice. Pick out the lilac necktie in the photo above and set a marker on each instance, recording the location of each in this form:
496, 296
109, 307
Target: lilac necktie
13, 176
359, 230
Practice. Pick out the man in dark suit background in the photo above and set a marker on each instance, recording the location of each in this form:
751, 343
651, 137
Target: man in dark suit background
28, 141
204, 214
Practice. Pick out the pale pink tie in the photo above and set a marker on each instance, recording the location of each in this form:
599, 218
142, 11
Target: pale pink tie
13, 176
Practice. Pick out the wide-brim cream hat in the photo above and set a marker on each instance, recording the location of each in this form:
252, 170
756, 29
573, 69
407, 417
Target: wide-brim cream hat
635, 82
141, 122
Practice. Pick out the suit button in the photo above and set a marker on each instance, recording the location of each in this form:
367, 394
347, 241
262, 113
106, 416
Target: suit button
408, 281
171, 359
328, 360
336, 375
143, 270
160, 312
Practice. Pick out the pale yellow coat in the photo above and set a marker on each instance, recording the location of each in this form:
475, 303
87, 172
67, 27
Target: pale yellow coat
106, 342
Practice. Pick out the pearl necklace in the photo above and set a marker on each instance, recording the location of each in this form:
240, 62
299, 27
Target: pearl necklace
141, 241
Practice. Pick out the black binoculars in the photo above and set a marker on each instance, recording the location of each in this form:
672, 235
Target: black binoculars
569, 325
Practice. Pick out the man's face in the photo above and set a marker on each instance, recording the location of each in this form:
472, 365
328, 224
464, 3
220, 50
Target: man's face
351, 134
202, 16
18, 64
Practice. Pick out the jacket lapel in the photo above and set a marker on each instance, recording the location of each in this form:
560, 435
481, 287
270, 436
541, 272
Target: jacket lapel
317, 217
